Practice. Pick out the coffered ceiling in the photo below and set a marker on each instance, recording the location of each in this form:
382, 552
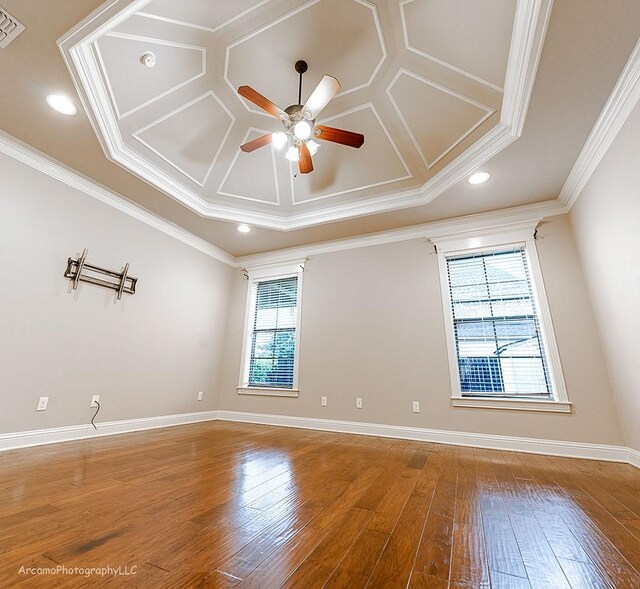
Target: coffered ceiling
435, 87
529, 144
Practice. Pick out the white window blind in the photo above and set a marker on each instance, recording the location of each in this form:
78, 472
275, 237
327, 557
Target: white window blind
273, 336
498, 339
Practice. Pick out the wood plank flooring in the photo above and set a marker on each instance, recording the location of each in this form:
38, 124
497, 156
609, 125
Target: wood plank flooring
246, 506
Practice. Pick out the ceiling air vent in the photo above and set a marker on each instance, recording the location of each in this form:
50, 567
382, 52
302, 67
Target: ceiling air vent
10, 28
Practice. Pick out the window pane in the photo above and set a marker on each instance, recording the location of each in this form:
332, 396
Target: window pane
480, 374
263, 344
497, 332
473, 309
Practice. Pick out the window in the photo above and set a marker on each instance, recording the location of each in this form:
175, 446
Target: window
271, 335
495, 325
501, 346
273, 340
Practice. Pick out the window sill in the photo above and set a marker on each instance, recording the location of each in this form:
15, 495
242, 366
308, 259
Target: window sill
267, 391
514, 404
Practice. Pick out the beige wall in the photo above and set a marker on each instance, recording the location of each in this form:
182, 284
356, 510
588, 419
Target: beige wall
606, 224
149, 354
372, 321
373, 327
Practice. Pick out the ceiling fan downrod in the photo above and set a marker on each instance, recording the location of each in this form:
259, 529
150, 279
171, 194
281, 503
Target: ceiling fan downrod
301, 67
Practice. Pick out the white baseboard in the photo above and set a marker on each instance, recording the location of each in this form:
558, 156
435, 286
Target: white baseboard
25, 439
490, 441
54, 435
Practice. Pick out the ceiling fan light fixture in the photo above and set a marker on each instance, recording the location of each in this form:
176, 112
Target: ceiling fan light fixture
279, 139
299, 122
292, 154
313, 146
302, 130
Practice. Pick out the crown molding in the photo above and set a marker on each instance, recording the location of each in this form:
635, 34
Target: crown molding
491, 221
529, 30
621, 102
26, 154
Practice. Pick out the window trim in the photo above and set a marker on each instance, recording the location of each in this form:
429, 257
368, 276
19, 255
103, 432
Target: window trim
478, 241
263, 274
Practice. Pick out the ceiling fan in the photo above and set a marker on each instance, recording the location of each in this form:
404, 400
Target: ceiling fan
298, 121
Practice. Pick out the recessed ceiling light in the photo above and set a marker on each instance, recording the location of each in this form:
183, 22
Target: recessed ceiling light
479, 177
62, 104
243, 228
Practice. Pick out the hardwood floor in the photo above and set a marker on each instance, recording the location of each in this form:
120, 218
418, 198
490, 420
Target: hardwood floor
236, 505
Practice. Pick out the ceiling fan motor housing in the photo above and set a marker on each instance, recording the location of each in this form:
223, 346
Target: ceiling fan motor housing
293, 111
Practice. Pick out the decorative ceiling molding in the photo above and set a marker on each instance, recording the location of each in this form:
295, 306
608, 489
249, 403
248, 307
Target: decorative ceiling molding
409, 47
201, 27
370, 106
167, 116
288, 15
154, 41
403, 71
622, 100
235, 160
78, 49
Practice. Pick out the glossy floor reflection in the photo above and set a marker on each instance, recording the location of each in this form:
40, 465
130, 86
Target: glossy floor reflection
236, 505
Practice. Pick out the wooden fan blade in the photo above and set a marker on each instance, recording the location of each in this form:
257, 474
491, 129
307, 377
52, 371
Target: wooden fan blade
341, 136
256, 143
264, 103
305, 163
320, 97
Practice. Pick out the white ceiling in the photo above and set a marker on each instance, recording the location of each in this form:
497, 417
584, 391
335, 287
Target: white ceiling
421, 79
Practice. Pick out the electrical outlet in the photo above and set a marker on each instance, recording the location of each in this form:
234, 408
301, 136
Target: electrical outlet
359, 403
200, 396
94, 401
416, 406
323, 401
42, 404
